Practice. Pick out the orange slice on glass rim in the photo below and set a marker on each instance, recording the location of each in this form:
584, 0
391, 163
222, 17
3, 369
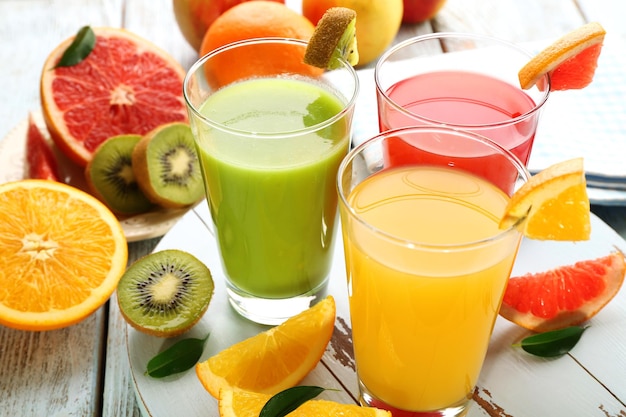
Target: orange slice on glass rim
570, 61
552, 205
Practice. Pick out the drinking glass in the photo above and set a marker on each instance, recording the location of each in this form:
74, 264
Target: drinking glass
426, 265
270, 135
466, 81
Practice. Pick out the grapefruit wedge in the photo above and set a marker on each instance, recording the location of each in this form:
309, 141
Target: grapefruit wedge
126, 85
571, 61
564, 296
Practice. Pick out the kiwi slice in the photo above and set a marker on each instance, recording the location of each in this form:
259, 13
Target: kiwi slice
111, 178
166, 165
165, 293
334, 37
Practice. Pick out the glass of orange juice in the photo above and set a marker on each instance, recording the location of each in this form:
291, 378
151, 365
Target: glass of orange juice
426, 264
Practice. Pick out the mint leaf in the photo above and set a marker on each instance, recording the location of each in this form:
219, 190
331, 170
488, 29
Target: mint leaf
288, 400
552, 343
79, 49
179, 357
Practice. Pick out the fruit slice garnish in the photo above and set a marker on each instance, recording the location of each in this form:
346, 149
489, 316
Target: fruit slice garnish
552, 205
239, 403
41, 162
334, 38
126, 85
570, 61
62, 253
273, 360
564, 296
165, 293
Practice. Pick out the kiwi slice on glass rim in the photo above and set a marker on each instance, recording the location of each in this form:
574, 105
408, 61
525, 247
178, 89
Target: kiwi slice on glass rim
167, 168
110, 176
165, 293
334, 37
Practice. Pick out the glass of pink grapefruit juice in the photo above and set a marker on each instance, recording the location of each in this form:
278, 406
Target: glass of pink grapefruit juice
465, 81
269, 146
424, 294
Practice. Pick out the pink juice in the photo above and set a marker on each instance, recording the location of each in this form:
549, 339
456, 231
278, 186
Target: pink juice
470, 101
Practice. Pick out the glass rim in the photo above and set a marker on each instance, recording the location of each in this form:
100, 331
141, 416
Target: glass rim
461, 35
197, 65
358, 150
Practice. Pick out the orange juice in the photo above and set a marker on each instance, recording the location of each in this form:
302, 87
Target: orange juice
422, 313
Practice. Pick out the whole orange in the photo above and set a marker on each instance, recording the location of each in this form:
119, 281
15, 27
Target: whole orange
377, 22
257, 19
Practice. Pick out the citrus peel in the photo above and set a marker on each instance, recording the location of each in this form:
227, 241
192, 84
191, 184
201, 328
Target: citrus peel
561, 53
552, 205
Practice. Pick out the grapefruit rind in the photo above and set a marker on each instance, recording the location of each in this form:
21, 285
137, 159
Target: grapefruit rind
559, 190
273, 360
529, 299
565, 48
159, 106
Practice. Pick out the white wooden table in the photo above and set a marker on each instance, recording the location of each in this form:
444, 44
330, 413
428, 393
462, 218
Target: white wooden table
84, 370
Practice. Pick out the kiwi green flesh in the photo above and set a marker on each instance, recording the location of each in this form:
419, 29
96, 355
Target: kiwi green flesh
165, 293
346, 48
173, 165
110, 173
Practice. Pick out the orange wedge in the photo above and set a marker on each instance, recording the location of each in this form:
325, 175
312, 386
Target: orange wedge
62, 253
238, 403
552, 205
274, 360
570, 61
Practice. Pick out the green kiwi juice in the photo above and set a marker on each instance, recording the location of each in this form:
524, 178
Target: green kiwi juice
270, 161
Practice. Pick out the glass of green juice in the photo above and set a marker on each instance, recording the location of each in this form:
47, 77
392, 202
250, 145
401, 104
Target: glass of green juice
468, 81
271, 132
426, 265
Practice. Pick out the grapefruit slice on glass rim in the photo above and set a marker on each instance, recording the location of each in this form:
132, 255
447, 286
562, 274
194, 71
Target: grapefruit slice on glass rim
564, 296
125, 85
570, 61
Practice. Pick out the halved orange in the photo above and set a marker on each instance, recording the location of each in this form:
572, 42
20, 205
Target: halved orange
564, 296
62, 253
126, 85
570, 61
552, 205
239, 403
274, 360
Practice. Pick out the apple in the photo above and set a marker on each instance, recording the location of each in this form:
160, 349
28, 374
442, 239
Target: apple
416, 11
195, 16
377, 22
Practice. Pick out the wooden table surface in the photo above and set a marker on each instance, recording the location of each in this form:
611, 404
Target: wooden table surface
83, 370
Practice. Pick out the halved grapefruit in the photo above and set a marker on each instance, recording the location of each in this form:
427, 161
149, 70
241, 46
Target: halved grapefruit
570, 61
126, 85
40, 160
564, 296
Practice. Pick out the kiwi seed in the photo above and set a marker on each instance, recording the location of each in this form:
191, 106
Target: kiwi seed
167, 168
165, 293
110, 176
334, 37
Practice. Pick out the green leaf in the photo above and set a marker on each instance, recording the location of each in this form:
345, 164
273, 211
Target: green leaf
80, 48
553, 343
179, 357
288, 400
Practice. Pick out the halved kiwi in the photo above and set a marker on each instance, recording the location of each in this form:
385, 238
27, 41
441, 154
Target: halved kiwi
111, 178
334, 37
167, 168
165, 293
